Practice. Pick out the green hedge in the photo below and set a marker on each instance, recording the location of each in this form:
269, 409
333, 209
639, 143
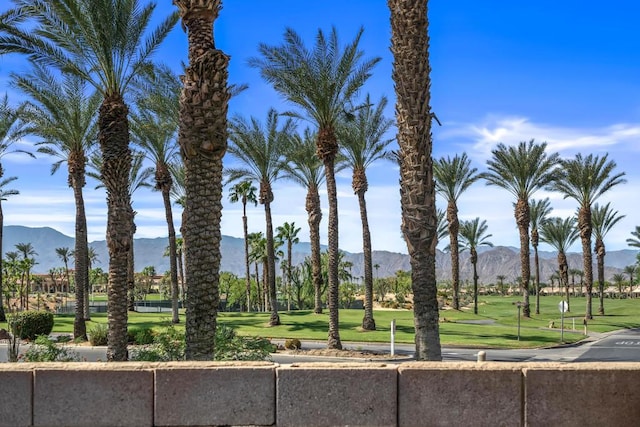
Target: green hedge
31, 324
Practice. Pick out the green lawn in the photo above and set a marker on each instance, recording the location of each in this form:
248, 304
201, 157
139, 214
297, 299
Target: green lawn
496, 325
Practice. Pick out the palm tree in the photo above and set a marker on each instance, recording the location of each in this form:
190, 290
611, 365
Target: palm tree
106, 43
522, 170
203, 141
260, 150
323, 83
634, 242
4, 193
64, 116
410, 48
154, 128
538, 212
139, 177
245, 192
27, 251
603, 219
363, 143
304, 168
472, 234
500, 278
618, 280
258, 255
443, 226
585, 179
630, 270
560, 234
64, 254
453, 176
288, 233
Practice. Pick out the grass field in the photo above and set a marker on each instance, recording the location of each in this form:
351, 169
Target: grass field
496, 324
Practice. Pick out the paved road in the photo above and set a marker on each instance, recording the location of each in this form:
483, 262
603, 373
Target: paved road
617, 346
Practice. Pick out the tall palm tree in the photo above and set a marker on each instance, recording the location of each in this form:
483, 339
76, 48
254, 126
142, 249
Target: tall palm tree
560, 234
203, 141
473, 234
363, 143
411, 68
603, 219
288, 233
154, 126
107, 43
63, 115
538, 212
260, 149
245, 192
323, 83
585, 179
4, 193
522, 170
305, 168
453, 176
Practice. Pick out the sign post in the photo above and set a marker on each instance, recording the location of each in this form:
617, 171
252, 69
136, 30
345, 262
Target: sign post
518, 304
563, 307
393, 337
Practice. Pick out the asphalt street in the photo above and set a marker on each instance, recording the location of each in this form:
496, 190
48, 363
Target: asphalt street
618, 346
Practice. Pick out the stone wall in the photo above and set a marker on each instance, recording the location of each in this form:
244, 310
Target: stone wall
311, 394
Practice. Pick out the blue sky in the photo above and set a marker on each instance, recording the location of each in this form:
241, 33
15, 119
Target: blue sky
563, 72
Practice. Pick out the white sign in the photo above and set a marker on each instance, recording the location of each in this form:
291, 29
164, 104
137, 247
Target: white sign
563, 306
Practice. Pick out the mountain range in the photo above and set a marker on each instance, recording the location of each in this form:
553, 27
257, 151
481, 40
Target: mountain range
492, 262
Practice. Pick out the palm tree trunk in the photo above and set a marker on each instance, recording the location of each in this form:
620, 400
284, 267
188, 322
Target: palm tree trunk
522, 220
203, 142
315, 216
173, 255
245, 228
81, 250
274, 319
289, 260
131, 276
454, 227
474, 262
563, 269
333, 340
114, 142
3, 315
600, 254
584, 225
537, 267
410, 47
368, 322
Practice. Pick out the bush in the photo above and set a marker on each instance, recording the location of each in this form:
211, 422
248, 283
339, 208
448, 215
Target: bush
230, 346
140, 336
30, 324
292, 344
45, 350
168, 345
98, 334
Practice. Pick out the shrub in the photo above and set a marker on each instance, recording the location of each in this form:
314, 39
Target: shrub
45, 350
167, 345
98, 334
140, 336
230, 346
30, 324
292, 344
